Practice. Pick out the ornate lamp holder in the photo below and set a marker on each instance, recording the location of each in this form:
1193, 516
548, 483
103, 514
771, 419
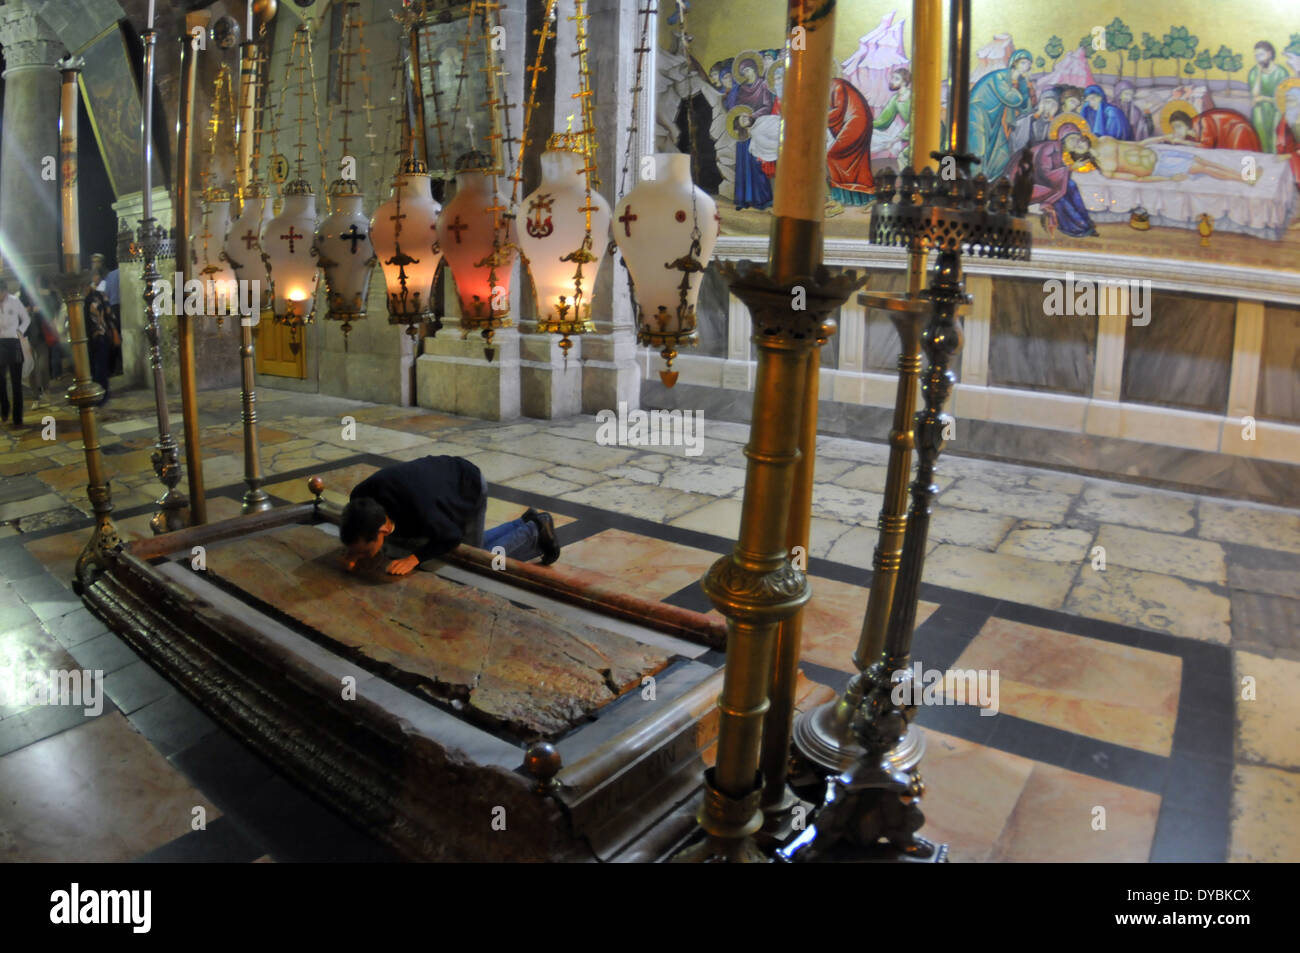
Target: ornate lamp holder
865, 743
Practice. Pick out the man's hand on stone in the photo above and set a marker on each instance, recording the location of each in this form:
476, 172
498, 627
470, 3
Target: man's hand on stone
400, 567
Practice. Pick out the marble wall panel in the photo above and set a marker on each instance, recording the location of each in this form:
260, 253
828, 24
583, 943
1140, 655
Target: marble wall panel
1183, 357
1037, 351
880, 343
1279, 370
711, 314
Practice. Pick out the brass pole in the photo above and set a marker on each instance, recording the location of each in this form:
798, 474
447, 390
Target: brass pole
927, 49
184, 330
84, 394
173, 508
824, 735
255, 498
777, 798
420, 151
757, 586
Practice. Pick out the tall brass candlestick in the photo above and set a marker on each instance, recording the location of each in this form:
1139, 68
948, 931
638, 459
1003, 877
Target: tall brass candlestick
757, 586
84, 394
255, 498
875, 803
824, 735
184, 329
173, 507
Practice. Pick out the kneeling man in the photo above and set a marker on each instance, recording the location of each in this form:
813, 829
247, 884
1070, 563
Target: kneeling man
429, 506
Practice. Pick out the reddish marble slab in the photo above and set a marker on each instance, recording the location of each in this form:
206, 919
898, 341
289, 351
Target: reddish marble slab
528, 671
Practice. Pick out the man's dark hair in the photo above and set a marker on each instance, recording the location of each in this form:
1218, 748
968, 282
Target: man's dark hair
361, 522
1180, 116
4, 285
1266, 45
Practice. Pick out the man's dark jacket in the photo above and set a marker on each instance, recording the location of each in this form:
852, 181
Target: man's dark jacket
431, 501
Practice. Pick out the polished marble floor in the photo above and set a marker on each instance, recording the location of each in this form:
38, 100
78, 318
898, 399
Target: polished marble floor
1147, 642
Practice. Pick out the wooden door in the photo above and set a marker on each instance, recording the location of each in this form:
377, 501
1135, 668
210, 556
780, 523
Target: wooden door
276, 347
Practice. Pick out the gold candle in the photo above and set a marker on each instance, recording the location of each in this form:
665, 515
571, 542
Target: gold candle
68, 160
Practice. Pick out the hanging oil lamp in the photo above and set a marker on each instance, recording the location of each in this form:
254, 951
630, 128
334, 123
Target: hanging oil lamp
563, 239
479, 246
346, 255
666, 228
406, 244
290, 257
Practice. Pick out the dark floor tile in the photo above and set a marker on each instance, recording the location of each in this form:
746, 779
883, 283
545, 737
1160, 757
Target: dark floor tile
1265, 624
224, 769
46, 721
15, 733
14, 613
1199, 786
17, 563
1111, 762
1202, 733
1211, 690
172, 724
1029, 739
1072, 624
962, 721
831, 677
133, 686
690, 597
1184, 837
222, 842
105, 653
75, 627
294, 827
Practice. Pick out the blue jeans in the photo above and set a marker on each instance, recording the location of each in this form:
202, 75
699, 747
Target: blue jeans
518, 537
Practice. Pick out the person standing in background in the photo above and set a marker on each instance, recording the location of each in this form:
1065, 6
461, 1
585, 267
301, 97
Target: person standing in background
113, 289
1264, 78
14, 321
39, 377
99, 333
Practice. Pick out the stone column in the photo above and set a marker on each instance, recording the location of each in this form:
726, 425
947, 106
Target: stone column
453, 374
29, 213
549, 386
610, 373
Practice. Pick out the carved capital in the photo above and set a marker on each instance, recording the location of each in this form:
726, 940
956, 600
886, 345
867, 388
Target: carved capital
25, 39
754, 596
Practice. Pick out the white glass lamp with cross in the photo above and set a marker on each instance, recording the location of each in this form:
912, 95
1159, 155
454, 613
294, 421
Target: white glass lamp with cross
564, 236
290, 256
346, 255
404, 232
666, 228
243, 248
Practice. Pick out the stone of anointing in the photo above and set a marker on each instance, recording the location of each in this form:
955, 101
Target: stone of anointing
531, 672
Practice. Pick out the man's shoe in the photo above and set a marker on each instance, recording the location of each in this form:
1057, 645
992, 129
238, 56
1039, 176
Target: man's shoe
550, 546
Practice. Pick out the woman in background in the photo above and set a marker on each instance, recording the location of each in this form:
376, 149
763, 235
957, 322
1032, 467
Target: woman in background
99, 333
